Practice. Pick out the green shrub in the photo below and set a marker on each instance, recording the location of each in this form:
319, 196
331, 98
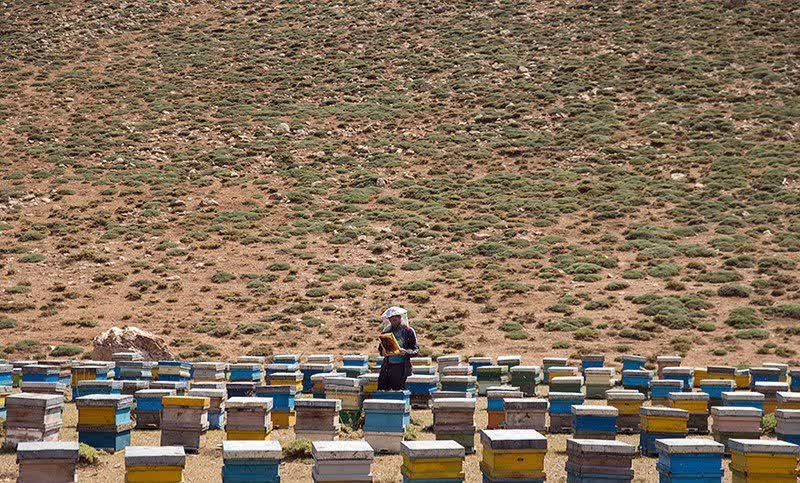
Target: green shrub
66, 351
222, 277
88, 456
757, 334
744, 318
733, 291
297, 449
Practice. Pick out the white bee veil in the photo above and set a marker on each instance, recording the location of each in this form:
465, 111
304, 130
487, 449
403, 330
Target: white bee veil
391, 312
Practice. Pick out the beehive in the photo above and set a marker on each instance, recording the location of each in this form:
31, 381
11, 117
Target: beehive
627, 403
742, 378
368, 384
696, 403
598, 380
6, 375
40, 373
251, 461
245, 372
735, 422
454, 419
593, 460
89, 387
494, 404
638, 380
662, 362
347, 391
788, 400
426, 461
240, 389
5, 391
98, 371
714, 388
699, 375
509, 361
743, 399
209, 371
549, 362
512, 454
420, 370
479, 361
560, 410
488, 376
755, 460
787, 427
592, 361
660, 422
104, 421
130, 386
148, 407
184, 421
383, 424
174, 371
783, 375
689, 460
447, 360
403, 395
764, 374
467, 384
51, 462
633, 363
341, 461
310, 369
149, 464
32, 417
525, 413
294, 378
283, 413
770, 391
317, 419
660, 389
525, 378
594, 422
794, 382
420, 387
44, 388
248, 418
354, 365
683, 374
721, 372
217, 399
134, 370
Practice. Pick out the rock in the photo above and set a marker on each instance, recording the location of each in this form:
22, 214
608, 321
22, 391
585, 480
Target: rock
677, 176
208, 202
382, 182
481, 236
284, 128
130, 339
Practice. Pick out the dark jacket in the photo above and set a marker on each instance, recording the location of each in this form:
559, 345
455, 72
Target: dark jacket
393, 376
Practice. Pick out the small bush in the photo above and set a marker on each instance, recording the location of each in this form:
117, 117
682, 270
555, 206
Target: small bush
733, 291
744, 318
88, 456
297, 449
66, 351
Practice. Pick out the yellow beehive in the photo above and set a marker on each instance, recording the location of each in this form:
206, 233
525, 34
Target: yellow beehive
154, 474
154, 464
755, 460
350, 400
694, 407
97, 415
513, 453
663, 420
284, 419
432, 468
742, 380
277, 381
700, 373
186, 401
626, 407
247, 434
370, 387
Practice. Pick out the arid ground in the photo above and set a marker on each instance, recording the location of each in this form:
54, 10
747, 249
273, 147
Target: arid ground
532, 178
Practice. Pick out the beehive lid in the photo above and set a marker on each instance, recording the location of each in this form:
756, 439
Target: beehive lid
48, 450
763, 446
155, 456
637, 373
689, 446
554, 396
341, 450
788, 397
513, 439
593, 358
742, 412
788, 414
666, 383
480, 360
152, 393
215, 366
277, 389
398, 405
449, 358
771, 386
721, 369
432, 449
633, 358
742, 396
601, 446
453, 403
669, 359
186, 401
524, 403
555, 360
320, 359
526, 369
209, 393
688, 396
601, 371
28, 399
318, 403
593, 410
658, 411
264, 403
717, 382
680, 371
624, 396
251, 450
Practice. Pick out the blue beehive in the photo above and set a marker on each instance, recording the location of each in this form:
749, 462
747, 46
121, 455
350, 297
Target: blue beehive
421, 384
764, 374
715, 387
250, 461
592, 360
286, 359
309, 369
660, 388
40, 373
743, 399
282, 396
794, 380
638, 380
384, 415
594, 422
245, 372
562, 402
6, 375
86, 388
459, 383
683, 374
354, 365
150, 399
104, 421
174, 371
240, 389
477, 362
689, 460
397, 396
633, 363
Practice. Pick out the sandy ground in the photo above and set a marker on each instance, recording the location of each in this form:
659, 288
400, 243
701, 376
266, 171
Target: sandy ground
206, 466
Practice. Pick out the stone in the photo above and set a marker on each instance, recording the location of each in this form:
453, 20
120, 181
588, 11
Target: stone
130, 339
